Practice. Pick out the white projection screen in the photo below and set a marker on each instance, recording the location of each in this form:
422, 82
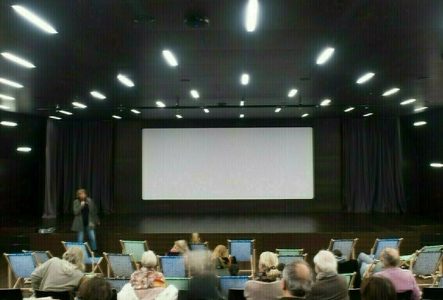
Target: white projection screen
227, 163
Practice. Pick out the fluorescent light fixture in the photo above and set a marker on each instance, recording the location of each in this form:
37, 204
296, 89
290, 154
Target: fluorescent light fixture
34, 19
194, 94
6, 97
170, 58
116, 117
349, 109
11, 83
5, 107
98, 95
244, 79
65, 112
160, 103
206, 110
251, 15
178, 116
55, 117
135, 111
8, 123
390, 92
304, 115
18, 60
242, 116
24, 149
419, 109
325, 55
278, 109
420, 123
365, 78
125, 80
292, 93
242, 103
436, 165
409, 101
79, 105
368, 114
325, 102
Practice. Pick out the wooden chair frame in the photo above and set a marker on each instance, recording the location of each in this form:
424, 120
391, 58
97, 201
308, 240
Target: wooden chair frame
354, 243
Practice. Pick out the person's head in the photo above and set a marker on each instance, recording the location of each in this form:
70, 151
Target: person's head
337, 253
268, 263
81, 194
199, 262
377, 288
149, 259
95, 289
220, 251
390, 258
74, 255
297, 279
325, 262
180, 246
195, 238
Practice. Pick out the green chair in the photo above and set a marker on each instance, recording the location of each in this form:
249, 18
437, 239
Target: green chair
135, 248
182, 284
350, 278
289, 251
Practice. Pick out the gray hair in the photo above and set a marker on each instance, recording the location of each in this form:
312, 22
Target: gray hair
325, 262
149, 259
199, 262
297, 281
74, 255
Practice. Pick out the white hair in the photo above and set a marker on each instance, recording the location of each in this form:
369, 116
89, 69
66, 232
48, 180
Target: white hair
325, 262
149, 259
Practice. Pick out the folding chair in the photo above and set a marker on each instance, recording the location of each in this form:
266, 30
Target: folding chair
287, 259
40, 257
198, 246
425, 265
296, 251
89, 257
120, 265
173, 266
232, 282
117, 283
381, 244
20, 266
182, 284
11, 294
244, 251
346, 247
65, 295
135, 248
350, 278
407, 259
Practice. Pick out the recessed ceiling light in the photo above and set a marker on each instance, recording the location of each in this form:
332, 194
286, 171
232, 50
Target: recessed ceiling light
325, 55
409, 101
368, 114
170, 58
8, 123
6, 97
206, 110
160, 103
55, 117
24, 149
5, 107
97, 95
242, 116
251, 15
436, 165
194, 94
178, 116
79, 105
278, 109
65, 112
18, 60
242, 103
420, 123
11, 83
325, 102
135, 111
34, 19
365, 78
390, 92
116, 117
304, 115
244, 79
349, 109
292, 93
125, 80
419, 109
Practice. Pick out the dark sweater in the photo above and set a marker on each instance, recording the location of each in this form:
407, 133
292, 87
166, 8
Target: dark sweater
332, 287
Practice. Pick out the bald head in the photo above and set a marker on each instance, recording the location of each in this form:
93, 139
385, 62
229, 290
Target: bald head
297, 279
390, 257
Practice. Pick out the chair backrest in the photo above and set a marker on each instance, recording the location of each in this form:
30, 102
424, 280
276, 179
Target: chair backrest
84, 246
135, 248
21, 264
117, 283
286, 259
381, 244
198, 246
440, 282
426, 263
11, 294
40, 257
346, 246
122, 265
65, 295
354, 294
350, 278
173, 266
241, 249
289, 252
232, 282
431, 248
404, 295
182, 284
432, 293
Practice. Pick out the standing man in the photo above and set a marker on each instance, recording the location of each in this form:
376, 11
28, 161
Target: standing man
85, 218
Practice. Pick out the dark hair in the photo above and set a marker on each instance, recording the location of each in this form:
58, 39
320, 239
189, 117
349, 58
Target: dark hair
337, 253
297, 283
378, 288
95, 289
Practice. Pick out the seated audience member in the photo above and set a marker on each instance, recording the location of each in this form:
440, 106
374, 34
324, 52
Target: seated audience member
377, 288
267, 284
60, 274
195, 238
234, 269
296, 281
95, 289
329, 285
221, 261
180, 248
403, 280
347, 266
204, 284
365, 261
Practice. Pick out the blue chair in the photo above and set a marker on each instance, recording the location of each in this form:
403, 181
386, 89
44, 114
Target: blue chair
244, 251
40, 257
198, 246
120, 265
426, 265
289, 251
89, 257
117, 283
345, 246
173, 266
287, 259
381, 244
232, 282
182, 284
20, 266
135, 248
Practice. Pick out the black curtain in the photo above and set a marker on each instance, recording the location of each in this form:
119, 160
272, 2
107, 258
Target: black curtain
372, 166
78, 154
